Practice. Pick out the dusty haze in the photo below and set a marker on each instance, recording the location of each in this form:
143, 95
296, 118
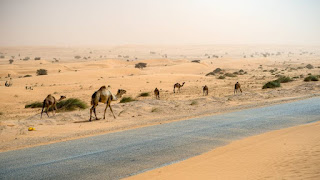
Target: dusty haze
105, 22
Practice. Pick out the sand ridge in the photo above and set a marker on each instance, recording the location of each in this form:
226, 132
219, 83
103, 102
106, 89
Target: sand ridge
79, 78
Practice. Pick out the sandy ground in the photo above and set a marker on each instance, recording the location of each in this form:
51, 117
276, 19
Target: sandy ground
292, 153
166, 65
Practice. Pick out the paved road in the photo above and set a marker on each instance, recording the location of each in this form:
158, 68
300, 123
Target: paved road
121, 154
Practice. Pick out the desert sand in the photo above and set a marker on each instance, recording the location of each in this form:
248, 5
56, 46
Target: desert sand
114, 66
292, 153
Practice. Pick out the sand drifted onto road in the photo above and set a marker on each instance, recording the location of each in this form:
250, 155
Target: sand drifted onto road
292, 153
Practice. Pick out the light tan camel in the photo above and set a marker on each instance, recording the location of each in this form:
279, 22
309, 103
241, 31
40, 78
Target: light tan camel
236, 87
105, 96
177, 85
50, 101
157, 93
205, 90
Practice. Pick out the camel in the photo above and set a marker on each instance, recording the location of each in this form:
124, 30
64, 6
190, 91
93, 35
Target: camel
157, 93
236, 87
205, 90
105, 96
177, 85
50, 101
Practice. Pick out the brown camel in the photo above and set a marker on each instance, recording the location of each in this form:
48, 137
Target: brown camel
177, 85
50, 101
157, 93
105, 96
205, 90
236, 87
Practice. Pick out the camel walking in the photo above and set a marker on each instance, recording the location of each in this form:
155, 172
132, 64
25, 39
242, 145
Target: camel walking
157, 93
236, 87
205, 90
105, 96
50, 101
178, 86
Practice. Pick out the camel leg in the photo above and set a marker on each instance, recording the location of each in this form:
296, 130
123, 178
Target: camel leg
174, 90
112, 111
104, 115
240, 90
47, 110
93, 108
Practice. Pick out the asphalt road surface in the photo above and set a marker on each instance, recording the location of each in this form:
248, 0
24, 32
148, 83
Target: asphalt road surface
122, 154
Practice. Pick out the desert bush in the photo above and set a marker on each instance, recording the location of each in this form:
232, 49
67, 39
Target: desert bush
37, 58
236, 73
217, 70
284, 79
196, 61
241, 71
271, 84
144, 94
126, 99
28, 75
1, 113
11, 61
309, 66
141, 65
42, 72
2, 57
71, 104
36, 104
210, 74
194, 102
311, 78
77, 57
155, 109
221, 77
26, 58
230, 75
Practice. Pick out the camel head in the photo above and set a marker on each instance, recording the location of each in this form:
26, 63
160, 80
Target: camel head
183, 83
62, 97
121, 92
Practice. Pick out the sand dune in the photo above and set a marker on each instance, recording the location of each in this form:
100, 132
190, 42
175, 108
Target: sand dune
79, 78
292, 153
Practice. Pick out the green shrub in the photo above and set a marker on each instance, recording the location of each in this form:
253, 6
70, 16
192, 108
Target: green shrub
42, 72
126, 99
230, 75
271, 84
284, 79
71, 104
311, 78
210, 74
144, 94
309, 66
193, 103
217, 70
37, 104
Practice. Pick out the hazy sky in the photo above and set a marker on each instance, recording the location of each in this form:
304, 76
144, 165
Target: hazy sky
105, 22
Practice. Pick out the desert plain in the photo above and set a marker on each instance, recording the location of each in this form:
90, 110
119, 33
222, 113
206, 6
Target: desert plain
77, 72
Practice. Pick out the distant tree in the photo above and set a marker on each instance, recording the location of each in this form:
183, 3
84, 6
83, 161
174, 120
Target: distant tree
42, 72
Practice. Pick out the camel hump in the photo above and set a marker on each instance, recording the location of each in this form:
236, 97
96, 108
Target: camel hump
103, 87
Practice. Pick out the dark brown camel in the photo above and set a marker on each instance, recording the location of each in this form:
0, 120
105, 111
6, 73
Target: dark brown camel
51, 101
205, 90
236, 87
177, 85
157, 93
